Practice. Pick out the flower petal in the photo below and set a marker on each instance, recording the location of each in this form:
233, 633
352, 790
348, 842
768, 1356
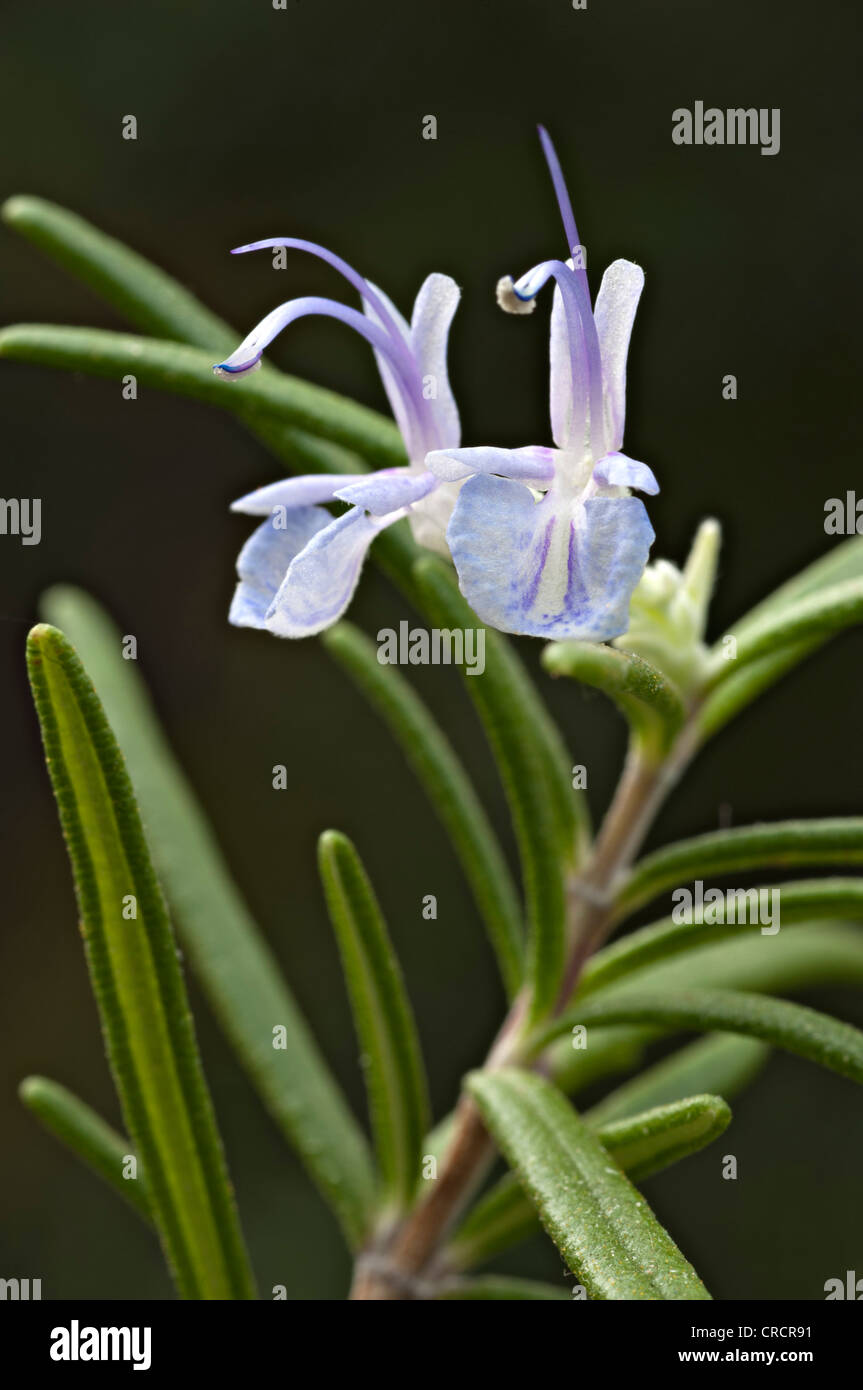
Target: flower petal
432, 316
265, 558
404, 416
557, 568
387, 490
576, 365
321, 580
292, 492
614, 315
533, 464
618, 470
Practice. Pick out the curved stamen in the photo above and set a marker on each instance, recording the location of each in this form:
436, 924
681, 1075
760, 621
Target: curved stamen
584, 342
247, 356
353, 277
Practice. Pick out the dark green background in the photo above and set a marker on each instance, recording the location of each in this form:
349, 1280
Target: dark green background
254, 122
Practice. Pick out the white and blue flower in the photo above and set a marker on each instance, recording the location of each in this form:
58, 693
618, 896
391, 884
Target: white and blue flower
299, 570
549, 541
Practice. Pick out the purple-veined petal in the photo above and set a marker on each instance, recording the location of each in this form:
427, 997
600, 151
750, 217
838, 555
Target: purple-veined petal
556, 568
432, 317
387, 490
614, 551
264, 560
321, 580
614, 314
533, 464
618, 470
292, 492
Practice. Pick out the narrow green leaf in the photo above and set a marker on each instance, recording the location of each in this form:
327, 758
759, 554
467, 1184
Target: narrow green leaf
230, 957
648, 700
603, 1227
843, 561
535, 782
90, 1138
643, 1143
838, 840
722, 1065
811, 956
796, 903
188, 371
394, 1074
137, 980
741, 685
646, 1143
794, 1027
149, 298
430, 754
498, 1288
814, 617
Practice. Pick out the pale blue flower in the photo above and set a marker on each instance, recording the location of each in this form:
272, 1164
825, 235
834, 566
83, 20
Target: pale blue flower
299, 570
550, 542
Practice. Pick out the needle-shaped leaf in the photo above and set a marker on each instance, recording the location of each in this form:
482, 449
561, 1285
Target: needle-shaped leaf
188, 371
646, 1143
820, 953
744, 909
742, 684
843, 561
782, 844
794, 1027
230, 957
150, 299
89, 1137
137, 980
430, 754
722, 1065
394, 1073
642, 1143
603, 1227
648, 700
781, 632
535, 776
498, 1288
811, 618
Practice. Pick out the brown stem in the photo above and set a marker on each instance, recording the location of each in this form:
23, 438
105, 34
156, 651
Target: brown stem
395, 1270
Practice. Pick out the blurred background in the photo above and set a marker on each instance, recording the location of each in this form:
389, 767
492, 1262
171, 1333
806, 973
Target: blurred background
307, 121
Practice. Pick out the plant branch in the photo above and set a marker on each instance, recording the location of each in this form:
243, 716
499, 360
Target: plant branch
401, 1264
